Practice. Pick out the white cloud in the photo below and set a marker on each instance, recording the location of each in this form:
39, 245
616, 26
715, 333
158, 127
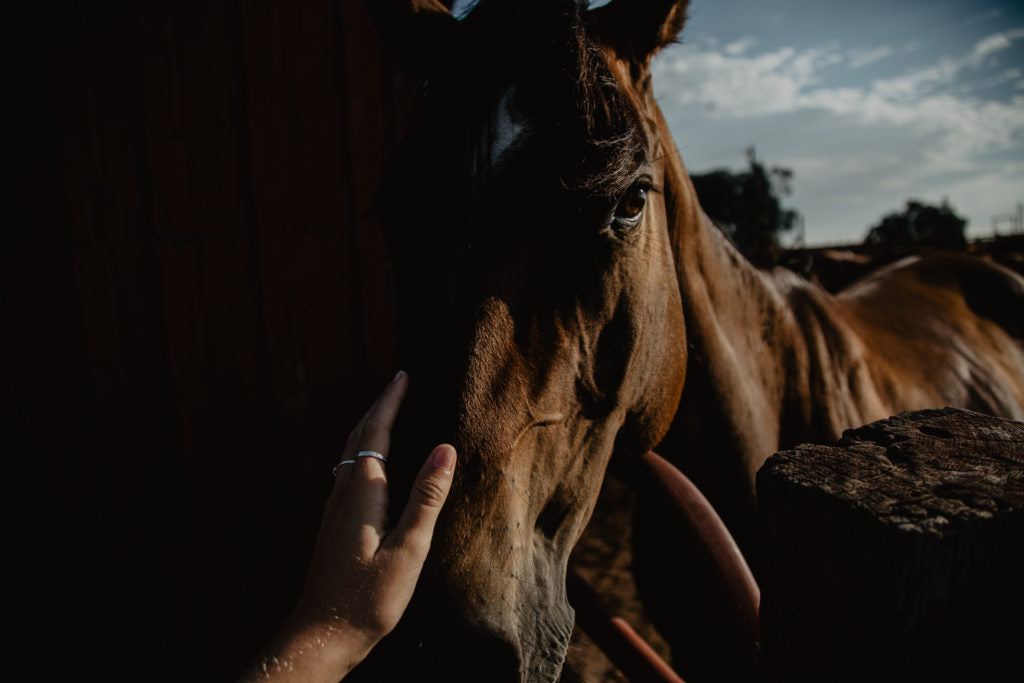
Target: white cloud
741, 86
995, 43
739, 47
857, 150
861, 57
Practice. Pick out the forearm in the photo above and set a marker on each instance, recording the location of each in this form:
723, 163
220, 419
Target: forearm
308, 653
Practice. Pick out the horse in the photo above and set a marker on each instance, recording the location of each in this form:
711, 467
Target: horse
562, 298
775, 361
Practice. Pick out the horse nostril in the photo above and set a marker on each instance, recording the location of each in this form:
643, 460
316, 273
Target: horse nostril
552, 517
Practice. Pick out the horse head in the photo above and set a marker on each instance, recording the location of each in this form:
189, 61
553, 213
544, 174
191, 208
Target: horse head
529, 205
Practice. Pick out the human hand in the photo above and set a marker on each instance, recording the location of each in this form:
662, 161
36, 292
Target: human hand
363, 574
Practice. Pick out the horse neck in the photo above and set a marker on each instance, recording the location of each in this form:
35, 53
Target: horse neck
739, 335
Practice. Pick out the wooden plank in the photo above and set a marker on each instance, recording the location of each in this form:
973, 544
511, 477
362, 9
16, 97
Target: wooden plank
314, 114
134, 461
370, 130
76, 154
51, 443
225, 431
162, 111
209, 52
31, 205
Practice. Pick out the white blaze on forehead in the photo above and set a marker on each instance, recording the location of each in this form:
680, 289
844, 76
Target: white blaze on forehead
510, 127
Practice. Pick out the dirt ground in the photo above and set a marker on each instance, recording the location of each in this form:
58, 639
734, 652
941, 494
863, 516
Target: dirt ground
604, 557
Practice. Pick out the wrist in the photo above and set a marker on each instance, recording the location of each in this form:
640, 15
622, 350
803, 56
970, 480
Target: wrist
313, 650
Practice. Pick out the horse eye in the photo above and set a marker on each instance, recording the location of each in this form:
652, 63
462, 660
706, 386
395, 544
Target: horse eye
630, 208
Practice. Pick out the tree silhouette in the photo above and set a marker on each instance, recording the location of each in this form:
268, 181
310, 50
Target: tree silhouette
747, 206
920, 225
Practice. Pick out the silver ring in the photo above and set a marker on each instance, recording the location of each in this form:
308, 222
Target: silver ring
337, 467
372, 454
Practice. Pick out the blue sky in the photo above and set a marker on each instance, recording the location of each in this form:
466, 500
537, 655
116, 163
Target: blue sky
869, 102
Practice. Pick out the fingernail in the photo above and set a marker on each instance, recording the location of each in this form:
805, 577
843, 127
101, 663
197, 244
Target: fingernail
398, 376
443, 458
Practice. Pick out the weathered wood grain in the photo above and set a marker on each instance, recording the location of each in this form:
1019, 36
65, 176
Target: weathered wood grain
898, 553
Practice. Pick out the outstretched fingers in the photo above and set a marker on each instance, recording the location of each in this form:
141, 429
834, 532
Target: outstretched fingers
415, 527
363, 483
374, 431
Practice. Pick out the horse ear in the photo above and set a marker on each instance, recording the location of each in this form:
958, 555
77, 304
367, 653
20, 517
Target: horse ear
416, 32
639, 29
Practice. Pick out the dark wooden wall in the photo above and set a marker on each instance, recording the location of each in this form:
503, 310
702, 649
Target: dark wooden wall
196, 305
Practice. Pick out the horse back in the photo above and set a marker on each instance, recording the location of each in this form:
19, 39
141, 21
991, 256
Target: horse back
949, 323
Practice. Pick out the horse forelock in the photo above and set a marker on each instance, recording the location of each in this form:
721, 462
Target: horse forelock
551, 86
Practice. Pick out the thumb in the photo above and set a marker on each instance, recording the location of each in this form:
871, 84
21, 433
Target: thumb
416, 525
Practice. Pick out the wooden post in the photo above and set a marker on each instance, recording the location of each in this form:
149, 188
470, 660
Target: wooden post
897, 554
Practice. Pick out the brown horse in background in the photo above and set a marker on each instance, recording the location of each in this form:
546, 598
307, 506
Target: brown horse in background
558, 286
